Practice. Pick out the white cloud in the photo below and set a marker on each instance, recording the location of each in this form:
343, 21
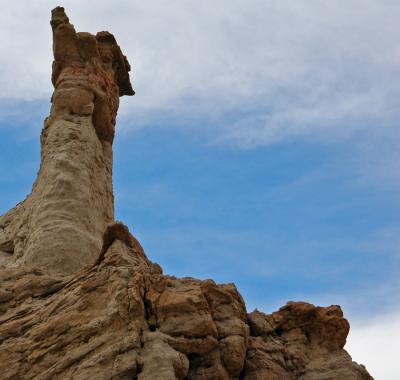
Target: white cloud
376, 344
301, 68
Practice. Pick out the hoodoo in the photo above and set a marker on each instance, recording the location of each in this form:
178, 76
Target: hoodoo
79, 299
59, 227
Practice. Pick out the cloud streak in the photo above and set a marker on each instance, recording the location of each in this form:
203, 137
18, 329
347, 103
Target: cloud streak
286, 70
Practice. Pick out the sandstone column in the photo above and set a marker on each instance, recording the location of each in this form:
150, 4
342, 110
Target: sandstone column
59, 227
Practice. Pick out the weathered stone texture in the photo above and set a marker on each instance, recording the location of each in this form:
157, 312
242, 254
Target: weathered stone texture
300, 341
123, 319
59, 226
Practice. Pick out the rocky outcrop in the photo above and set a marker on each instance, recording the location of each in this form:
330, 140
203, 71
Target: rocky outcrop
123, 319
79, 299
300, 341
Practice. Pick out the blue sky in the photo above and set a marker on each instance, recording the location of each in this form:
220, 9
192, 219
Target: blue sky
289, 218
293, 220
262, 147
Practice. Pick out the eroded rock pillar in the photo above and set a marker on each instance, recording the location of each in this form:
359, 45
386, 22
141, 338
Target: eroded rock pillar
59, 227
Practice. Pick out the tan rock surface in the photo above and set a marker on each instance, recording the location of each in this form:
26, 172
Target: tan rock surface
123, 319
79, 299
300, 341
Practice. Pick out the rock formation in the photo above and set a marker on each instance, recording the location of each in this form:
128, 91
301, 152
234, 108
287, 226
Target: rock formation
59, 227
79, 299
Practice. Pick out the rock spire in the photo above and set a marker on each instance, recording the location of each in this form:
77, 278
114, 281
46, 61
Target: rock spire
59, 227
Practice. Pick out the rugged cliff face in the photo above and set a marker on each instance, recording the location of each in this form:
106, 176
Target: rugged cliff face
79, 299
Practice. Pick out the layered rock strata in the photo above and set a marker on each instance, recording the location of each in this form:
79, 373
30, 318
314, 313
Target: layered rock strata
79, 299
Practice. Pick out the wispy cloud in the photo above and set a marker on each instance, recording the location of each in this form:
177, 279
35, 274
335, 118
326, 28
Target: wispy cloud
301, 67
